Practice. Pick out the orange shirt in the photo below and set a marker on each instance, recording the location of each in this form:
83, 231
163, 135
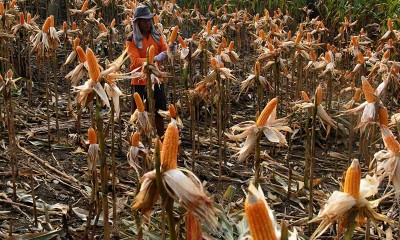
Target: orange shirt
138, 56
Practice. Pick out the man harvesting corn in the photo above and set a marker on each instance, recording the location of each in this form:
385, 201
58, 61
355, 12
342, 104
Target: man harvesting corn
145, 35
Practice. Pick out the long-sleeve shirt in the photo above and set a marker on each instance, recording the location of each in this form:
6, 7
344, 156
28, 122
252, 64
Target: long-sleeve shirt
138, 56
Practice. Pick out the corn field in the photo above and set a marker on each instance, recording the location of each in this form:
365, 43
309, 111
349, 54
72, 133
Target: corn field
283, 121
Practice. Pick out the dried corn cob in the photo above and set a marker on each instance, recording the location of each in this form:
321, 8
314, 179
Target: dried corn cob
266, 112
169, 153
138, 102
92, 136
352, 180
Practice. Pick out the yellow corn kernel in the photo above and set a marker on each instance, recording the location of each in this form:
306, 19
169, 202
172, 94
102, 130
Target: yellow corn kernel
169, 153
318, 94
92, 136
138, 102
266, 112
81, 54
94, 69
305, 96
151, 54
135, 139
383, 116
103, 27
353, 179
357, 94
182, 42
172, 110
46, 25
231, 45
368, 91
260, 224
84, 6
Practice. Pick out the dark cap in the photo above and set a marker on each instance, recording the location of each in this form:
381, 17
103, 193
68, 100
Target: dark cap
143, 12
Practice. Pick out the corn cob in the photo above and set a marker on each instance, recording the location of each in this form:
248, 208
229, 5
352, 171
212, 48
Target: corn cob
289, 35
138, 102
383, 116
352, 180
261, 34
46, 25
73, 27
390, 141
77, 41
169, 153
208, 28
135, 139
360, 58
112, 24
21, 18
390, 24
219, 50
231, 45
94, 70
28, 18
151, 54
12, 4
92, 136
266, 112
1, 8
298, 38
103, 27
84, 6
357, 94
305, 96
193, 227
65, 26
318, 94
368, 91
182, 42
172, 110
51, 21
257, 69
214, 64
81, 54
260, 224
174, 34
224, 42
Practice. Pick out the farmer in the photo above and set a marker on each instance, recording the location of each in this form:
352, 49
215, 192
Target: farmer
144, 35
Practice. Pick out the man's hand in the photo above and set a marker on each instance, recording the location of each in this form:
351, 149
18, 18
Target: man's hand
160, 57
